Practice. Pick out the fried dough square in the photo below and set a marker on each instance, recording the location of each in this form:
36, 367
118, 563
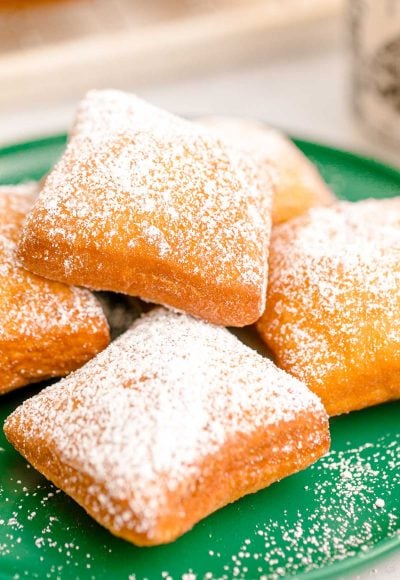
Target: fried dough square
175, 419
47, 329
333, 304
148, 204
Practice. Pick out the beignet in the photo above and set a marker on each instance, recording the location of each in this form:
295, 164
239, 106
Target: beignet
147, 204
47, 329
298, 185
175, 419
333, 304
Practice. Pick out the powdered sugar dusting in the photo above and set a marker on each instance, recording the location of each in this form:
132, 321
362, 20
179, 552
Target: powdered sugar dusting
340, 521
133, 173
289, 167
262, 141
167, 394
35, 314
332, 516
335, 285
30, 305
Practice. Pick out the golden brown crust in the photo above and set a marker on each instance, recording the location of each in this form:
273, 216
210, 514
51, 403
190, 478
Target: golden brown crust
158, 281
300, 187
47, 328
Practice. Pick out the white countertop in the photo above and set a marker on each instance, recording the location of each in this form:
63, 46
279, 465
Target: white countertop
302, 91
298, 81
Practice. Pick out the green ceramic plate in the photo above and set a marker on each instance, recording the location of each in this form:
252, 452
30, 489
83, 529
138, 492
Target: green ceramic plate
341, 513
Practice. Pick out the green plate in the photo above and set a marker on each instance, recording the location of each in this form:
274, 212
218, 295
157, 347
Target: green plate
341, 513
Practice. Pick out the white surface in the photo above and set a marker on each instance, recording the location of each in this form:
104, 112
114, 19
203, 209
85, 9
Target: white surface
151, 40
298, 81
303, 89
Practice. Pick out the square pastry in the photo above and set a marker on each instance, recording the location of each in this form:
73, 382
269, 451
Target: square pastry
47, 329
175, 419
298, 185
148, 204
332, 317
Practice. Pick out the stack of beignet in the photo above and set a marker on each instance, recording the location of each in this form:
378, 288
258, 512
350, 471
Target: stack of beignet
177, 418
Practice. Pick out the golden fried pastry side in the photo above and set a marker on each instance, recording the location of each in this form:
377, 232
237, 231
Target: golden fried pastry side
332, 316
150, 205
47, 329
175, 419
298, 185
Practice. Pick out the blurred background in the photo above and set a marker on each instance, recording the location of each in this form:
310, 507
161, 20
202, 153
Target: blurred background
284, 61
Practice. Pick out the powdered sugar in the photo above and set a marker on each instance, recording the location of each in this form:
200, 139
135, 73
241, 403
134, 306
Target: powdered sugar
335, 283
331, 516
140, 417
261, 141
340, 520
289, 167
133, 173
29, 305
